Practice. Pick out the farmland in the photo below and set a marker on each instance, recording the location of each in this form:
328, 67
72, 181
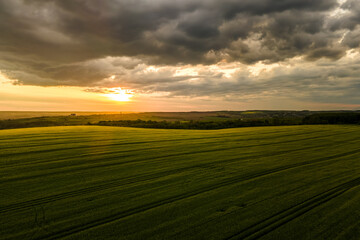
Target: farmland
158, 116
95, 182
10, 120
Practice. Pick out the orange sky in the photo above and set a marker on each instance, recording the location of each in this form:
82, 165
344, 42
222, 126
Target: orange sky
36, 98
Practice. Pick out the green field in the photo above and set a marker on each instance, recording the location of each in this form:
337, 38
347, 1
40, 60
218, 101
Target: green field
91, 182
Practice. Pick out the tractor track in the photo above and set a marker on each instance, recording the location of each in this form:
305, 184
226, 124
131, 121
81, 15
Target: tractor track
146, 177
80, 167
94, 136
275, 221
112, 152
131, 150
141, 142
95, 133
120, 215
76, 140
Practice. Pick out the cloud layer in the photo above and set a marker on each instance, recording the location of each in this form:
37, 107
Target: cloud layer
185, 48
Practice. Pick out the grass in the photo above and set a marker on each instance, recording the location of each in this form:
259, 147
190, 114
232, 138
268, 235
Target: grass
90, 182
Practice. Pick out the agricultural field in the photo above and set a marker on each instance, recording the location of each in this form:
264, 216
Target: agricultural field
93, 182
22, 114
85, 117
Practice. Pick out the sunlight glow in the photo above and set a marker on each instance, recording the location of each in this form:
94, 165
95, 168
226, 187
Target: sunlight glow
120, 95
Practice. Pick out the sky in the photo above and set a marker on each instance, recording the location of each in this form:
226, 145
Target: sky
179, 55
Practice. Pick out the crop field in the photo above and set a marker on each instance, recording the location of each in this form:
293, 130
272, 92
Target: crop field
92, 182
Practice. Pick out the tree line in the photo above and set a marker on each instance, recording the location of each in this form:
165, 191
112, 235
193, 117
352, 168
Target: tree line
235, 123
318, 118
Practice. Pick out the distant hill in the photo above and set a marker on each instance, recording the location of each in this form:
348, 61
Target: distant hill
177, 120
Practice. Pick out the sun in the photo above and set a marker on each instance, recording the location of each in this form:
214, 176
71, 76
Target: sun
120, 95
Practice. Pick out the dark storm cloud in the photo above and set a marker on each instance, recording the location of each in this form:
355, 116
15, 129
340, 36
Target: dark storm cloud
324, 81
325, 52
66, 42
351, 18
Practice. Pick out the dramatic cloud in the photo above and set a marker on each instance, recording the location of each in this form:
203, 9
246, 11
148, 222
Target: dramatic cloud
185, 48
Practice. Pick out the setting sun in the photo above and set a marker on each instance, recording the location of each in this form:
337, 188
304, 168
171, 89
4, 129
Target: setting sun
193, 119
118, 94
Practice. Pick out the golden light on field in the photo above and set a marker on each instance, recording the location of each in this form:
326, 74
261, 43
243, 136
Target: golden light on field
120, 95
